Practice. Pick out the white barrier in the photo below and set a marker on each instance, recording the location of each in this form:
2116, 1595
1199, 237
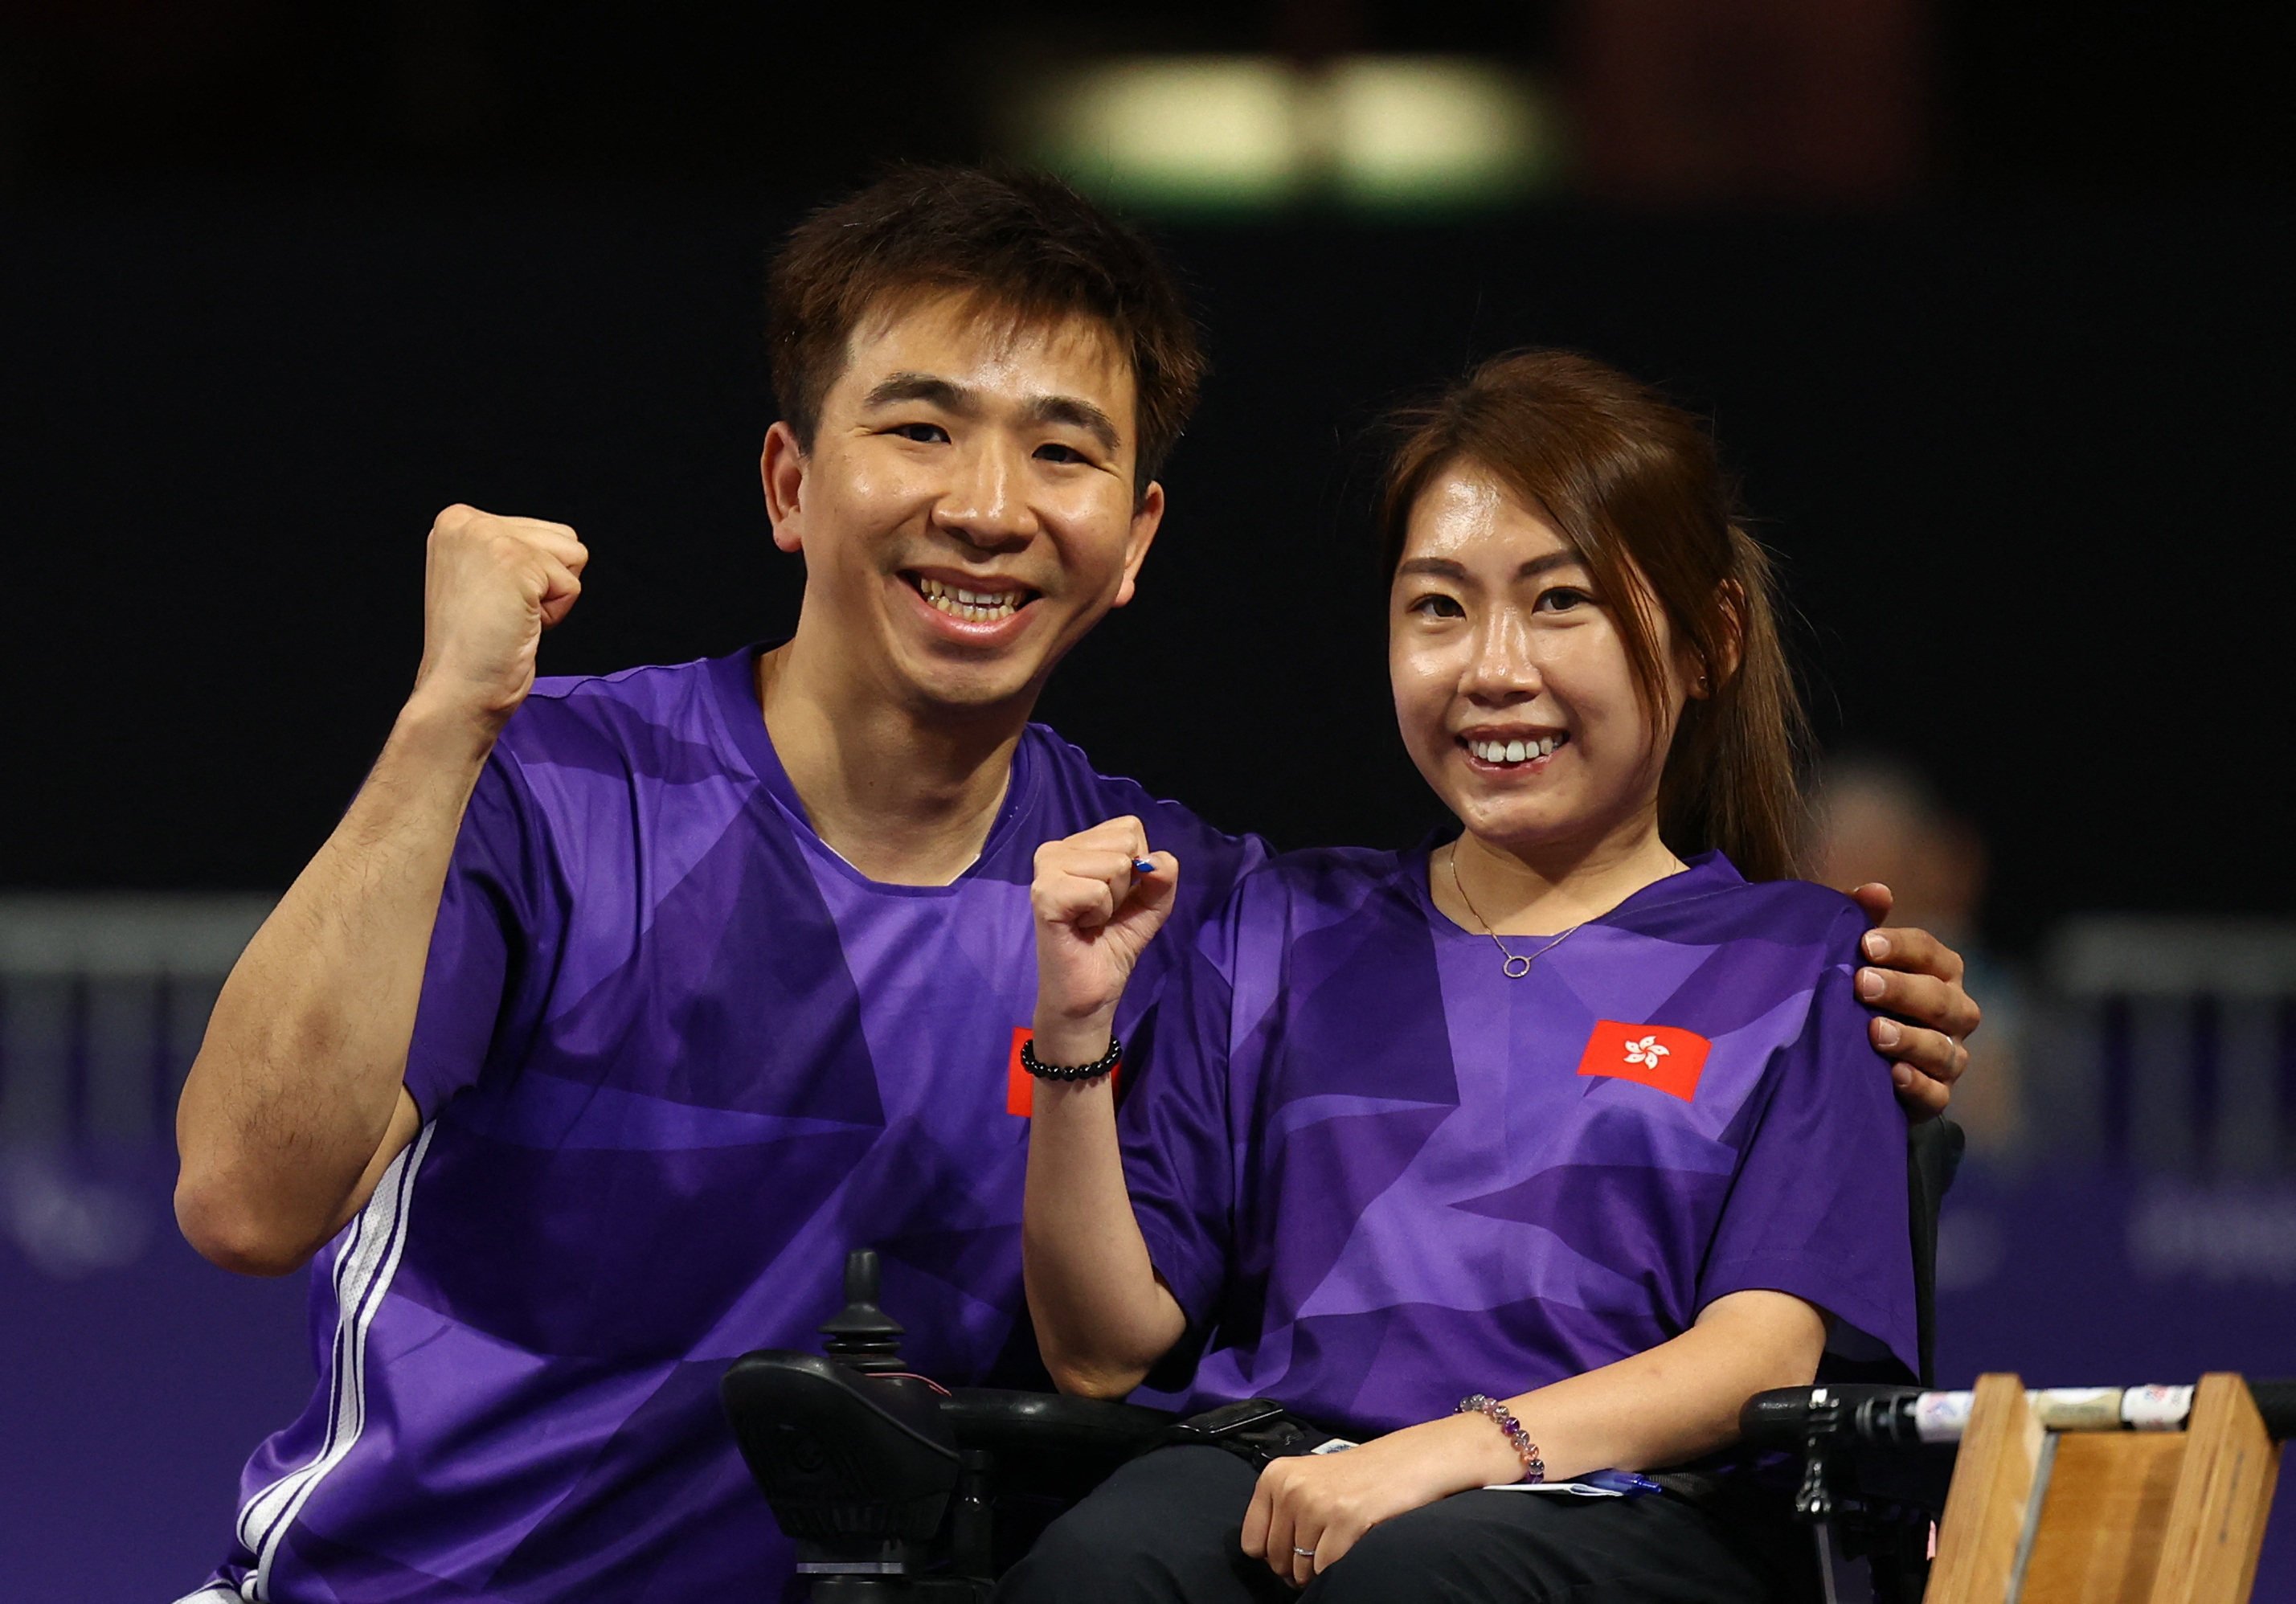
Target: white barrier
2175, 1043
102, 1000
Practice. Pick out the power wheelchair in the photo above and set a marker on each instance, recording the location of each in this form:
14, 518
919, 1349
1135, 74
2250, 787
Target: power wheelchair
897, 1490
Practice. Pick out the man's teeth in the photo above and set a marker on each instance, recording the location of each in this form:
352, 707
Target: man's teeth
975, 607
1512, 751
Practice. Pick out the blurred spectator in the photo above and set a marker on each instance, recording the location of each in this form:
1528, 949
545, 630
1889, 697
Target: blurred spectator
1877, 818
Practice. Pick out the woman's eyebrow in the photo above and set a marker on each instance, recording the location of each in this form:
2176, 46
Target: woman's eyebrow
1443, 568
1439, 567
1565, 558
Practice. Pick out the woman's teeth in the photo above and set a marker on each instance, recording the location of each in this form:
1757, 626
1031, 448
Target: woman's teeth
1513, 751
975, 607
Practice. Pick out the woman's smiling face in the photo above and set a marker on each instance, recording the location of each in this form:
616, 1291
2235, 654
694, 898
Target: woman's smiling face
1512, 685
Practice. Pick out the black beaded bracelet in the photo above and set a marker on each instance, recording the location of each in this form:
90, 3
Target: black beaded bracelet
1099, 1067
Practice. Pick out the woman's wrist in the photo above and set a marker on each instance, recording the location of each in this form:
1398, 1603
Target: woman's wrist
1454, 1457
1067, 1042
1485, 1455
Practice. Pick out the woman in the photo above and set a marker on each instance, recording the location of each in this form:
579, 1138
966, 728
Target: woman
1528, 1154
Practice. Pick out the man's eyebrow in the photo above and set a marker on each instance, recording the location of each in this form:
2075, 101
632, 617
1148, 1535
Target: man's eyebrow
1443, 568
1077, 414
906, 386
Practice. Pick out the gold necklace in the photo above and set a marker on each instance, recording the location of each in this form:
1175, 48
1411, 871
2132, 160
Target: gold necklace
1509, 967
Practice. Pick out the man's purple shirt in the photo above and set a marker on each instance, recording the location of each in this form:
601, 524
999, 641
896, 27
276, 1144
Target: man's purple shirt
674, 1058
1379, 1175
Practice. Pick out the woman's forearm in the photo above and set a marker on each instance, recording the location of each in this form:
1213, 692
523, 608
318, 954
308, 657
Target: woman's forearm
1663, 1407
1671, 1404
1103, 1318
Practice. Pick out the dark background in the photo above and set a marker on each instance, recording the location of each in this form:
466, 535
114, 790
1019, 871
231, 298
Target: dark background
275, 286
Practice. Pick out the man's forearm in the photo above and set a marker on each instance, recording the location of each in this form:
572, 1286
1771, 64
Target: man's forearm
295, 1086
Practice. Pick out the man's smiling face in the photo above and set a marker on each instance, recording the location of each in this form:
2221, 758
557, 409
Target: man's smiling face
968, 509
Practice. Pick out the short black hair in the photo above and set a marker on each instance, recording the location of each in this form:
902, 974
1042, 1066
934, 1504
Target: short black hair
1021, 241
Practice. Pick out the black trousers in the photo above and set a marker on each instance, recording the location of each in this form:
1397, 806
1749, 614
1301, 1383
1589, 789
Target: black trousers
1165, 1529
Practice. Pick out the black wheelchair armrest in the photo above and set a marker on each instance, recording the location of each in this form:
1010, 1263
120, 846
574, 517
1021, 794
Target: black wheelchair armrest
1046, 1445
1858, 1438
887, 1486
1867, 1479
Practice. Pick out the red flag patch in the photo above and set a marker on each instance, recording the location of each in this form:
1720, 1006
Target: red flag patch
1658, 1055
1021, 1086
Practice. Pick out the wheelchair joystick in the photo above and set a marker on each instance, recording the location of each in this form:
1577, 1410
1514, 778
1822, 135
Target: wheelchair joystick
862, 1336
853, 1453
892, 1489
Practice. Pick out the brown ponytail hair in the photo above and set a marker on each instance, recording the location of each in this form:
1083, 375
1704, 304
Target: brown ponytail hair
1634, 484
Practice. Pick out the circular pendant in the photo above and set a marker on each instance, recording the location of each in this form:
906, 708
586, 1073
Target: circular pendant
1516, 967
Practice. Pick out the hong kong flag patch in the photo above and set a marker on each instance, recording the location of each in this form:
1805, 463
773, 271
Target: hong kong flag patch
1659, 1056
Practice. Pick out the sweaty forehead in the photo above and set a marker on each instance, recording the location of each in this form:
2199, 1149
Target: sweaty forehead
1466, 510
1000, 352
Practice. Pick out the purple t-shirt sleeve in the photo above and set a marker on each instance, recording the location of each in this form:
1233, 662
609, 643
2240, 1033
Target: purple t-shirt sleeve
1179, 1162
1818, 1206
489, 913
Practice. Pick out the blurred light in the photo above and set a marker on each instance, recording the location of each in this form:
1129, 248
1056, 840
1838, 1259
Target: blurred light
1433, 130
1237, 132
1216, 130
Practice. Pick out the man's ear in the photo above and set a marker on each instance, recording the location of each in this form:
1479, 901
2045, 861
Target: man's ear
781, 466
1146, 517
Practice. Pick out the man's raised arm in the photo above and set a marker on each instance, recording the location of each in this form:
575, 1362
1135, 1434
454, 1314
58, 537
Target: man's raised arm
297, 1100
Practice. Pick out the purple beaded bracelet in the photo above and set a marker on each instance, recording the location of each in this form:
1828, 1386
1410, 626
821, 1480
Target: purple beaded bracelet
1534, 1469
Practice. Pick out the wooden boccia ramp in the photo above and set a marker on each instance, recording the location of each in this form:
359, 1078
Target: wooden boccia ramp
2156, 1495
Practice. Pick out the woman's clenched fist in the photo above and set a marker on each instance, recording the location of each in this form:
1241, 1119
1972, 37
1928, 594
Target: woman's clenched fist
1099, 896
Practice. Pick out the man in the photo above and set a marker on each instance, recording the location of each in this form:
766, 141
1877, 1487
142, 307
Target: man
1877, 814
595, 1035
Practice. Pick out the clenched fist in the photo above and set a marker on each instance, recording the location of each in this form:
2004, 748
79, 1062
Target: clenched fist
490, 586
1099, 896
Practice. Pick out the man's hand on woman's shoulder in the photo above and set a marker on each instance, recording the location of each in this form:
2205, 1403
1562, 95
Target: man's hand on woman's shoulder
1913, 983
